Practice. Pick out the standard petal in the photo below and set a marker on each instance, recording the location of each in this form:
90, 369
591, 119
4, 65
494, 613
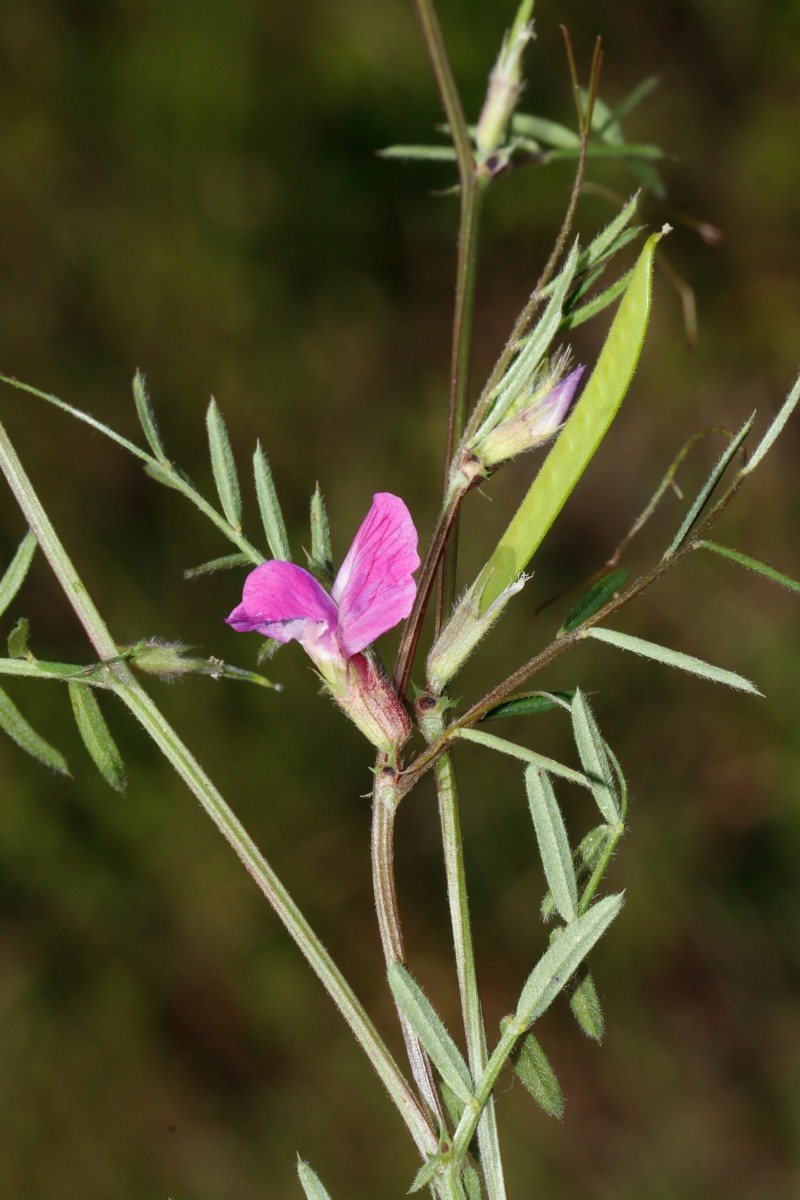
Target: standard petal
279, 600
374, 588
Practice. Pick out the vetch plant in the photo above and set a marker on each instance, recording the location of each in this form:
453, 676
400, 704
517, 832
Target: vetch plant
533, 400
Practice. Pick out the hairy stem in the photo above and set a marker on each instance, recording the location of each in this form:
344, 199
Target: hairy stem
432, 723
384, 807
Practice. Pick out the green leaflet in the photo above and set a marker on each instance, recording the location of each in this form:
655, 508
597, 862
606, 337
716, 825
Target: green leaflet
585, 429
269, 507
320, 560
775, 428
17, 569
563, 958
18, 639
673, 658
553, 842
147, 417
533, 1068
585, 1004
584, 859
523, 754
224, 466
593, 756
429, 1028
528, 704
96, 736
594, 599
310, 1182
752, 564
20, 731
708, 487
226, 563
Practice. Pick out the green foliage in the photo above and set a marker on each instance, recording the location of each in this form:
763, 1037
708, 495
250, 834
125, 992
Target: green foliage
708, 488
223, 465
593, 756
528, 704
96, 735
672, 658
553, 843
562, 959
534, 1071
17, 570
22, 732
310, 1182
594, 599
269, 507
430, 1030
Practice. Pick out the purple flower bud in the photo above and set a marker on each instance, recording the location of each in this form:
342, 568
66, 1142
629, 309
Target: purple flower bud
372, 592
530, 426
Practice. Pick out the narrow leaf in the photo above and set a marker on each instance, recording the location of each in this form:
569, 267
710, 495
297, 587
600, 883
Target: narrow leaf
224, 466
96, 736
321, 557
593, 307
17, 569
553, 842
428, 1026
533, 1068
708, 487
582, 434
528, 704
673, 658
585, 1004
18, 639
472, 1183
425, 1174
523, 754
226, 563
592, 751
310, 1182
147, 418
419, 153
605, 239
753, 564
563, 958
584, 858
594, 599
269, 507
775, 428
22, 732
549, 133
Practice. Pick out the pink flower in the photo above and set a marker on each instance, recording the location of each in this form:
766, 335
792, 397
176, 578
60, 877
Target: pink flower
372, 592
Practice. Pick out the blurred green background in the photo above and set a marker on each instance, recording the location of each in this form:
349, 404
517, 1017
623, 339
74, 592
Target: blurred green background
191, 188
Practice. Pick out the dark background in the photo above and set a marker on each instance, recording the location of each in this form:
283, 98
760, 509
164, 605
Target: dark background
191, 188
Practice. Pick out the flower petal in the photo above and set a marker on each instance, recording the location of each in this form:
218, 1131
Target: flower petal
374, 589
280, 600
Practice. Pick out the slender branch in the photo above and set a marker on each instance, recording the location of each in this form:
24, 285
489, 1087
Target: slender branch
432, 723
384, 806
133, 695
470, 192
413, 626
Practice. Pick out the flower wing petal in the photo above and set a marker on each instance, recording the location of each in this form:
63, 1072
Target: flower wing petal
374, 588
280, 600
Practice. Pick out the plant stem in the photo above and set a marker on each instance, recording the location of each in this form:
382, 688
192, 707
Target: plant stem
384, 807
466, 272
432, 724
413, 625
122, 680
471, 188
